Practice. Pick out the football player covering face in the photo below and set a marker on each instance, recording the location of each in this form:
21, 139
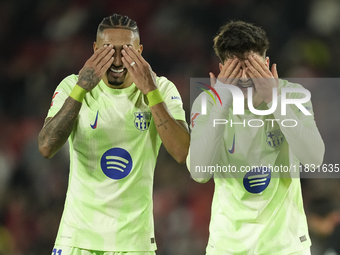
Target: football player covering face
252, 71
117, 76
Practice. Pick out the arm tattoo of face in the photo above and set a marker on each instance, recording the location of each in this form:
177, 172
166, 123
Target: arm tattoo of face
88, 79
57, 130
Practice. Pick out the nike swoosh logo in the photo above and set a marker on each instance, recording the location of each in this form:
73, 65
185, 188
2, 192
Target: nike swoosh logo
233, 148
94, 126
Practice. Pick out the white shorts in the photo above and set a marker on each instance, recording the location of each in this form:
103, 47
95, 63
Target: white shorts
68, 250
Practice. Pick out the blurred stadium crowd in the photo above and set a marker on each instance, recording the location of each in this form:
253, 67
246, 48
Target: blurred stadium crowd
44, 41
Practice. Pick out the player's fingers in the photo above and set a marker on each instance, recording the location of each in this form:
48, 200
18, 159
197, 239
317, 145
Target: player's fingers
106, 66
236, 79
274, 71
252, 76
232, 76
101, 55
251, 63
133, 52
258, 64
97, 52
128, 66
236, 70
212, 79
227, 70
130, 62
251, 68
106, 58
225, 66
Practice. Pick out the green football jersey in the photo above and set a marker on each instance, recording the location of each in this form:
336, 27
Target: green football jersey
113, 150
257, 207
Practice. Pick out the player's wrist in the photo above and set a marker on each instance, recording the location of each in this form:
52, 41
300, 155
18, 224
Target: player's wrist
268, 100
269, 97
154, 97
78, 93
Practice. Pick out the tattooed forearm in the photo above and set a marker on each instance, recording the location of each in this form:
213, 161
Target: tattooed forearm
88, 79
163, 124
56, 130
160, 122
174, 134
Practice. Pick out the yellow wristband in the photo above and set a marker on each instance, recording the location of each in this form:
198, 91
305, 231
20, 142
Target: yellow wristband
78, 93
154, 97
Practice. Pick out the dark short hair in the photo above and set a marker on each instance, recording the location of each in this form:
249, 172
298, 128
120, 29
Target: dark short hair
237, 38
118, 21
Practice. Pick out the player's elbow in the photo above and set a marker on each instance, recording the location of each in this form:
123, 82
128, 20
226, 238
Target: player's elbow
319, 155
44, 148
200, 177
180, 156
180, 159
45, 151
318, 160
201, 180
315, 156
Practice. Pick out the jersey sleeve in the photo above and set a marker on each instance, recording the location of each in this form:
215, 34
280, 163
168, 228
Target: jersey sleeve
60, 94
206, 140
171, 97
304, 139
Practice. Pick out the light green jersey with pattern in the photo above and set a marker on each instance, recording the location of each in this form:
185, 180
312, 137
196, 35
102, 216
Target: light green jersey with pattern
259, 212
113, 149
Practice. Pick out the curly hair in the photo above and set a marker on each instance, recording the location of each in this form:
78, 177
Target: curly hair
236, 38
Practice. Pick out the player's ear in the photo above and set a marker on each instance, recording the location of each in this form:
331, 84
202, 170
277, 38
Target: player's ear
220, 65
267, 62
95, 47
140, 50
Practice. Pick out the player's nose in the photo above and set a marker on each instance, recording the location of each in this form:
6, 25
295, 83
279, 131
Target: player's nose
117, 61
244, 76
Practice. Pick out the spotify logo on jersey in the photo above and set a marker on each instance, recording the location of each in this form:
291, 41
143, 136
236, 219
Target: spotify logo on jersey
116, 163
257, 179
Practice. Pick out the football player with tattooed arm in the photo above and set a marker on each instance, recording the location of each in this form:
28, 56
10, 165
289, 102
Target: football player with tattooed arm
115, 114
254, 211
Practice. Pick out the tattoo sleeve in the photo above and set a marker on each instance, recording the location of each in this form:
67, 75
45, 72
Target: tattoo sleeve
57, 129
88, 79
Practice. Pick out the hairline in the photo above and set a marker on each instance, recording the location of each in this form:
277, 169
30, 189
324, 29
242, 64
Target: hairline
134, 31
263, 56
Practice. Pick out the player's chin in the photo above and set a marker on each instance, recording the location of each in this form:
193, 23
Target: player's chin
244, 89
114, 80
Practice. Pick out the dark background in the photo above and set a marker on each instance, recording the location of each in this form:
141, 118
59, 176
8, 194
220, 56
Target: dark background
44, 41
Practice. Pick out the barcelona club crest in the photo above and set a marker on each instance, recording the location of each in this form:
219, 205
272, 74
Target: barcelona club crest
142, 120
274, 138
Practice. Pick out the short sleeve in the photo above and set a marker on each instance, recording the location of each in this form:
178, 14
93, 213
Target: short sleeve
171, 97
199, 121
60, 94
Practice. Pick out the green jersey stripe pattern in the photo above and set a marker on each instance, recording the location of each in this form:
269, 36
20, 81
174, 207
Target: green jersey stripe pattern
113, 151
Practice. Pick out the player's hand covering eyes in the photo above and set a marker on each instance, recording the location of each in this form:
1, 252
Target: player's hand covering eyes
230, 73
264, 79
